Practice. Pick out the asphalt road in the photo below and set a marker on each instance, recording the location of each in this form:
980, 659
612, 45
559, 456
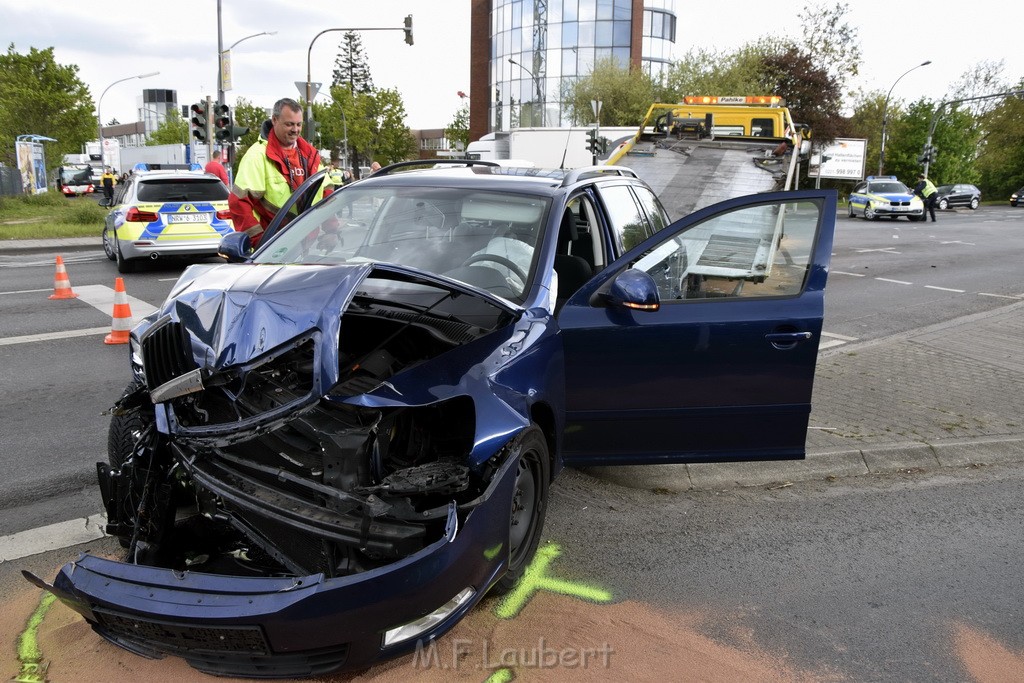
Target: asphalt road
899, 577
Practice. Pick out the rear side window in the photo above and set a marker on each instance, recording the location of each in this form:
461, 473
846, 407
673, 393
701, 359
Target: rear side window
182, 190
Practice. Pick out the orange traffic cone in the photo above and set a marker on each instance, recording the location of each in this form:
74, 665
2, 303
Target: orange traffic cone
61, 283
122, 319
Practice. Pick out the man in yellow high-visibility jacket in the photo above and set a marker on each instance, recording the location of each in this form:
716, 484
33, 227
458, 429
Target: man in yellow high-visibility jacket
271, 170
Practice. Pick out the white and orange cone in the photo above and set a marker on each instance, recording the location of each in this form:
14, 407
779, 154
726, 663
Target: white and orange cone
61, 283
122, 317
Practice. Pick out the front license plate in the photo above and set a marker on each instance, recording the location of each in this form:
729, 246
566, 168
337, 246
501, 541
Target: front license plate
188, 218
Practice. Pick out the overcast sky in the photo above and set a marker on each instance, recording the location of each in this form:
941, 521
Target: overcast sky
110, 41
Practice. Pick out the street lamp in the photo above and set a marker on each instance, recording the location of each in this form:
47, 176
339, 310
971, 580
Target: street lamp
224, 62
99, 106
407, 28
537, 87
885, 107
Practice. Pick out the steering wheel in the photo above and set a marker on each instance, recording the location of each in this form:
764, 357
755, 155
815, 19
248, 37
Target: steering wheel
500, 260
659, 123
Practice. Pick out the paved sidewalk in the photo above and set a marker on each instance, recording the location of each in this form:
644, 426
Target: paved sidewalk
943, 396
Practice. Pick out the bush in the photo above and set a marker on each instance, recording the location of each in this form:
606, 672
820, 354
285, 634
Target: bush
85, 213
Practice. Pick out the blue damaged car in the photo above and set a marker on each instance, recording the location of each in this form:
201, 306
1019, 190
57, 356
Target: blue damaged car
336, 445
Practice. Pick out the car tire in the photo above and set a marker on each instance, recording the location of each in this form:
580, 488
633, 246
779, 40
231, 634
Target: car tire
849, 211
123, 265
974, 203
108, 246
943, 204
529, 506
124, 430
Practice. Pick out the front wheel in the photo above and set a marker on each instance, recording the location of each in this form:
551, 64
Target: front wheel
943, 204
974, 203
529, 506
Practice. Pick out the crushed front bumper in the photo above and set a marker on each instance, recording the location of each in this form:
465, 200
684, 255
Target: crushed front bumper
286, 627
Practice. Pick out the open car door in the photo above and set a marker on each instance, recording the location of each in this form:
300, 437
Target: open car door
699, 345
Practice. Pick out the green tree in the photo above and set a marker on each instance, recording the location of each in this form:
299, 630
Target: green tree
39, 96
173, 131
625, 95
714, 72
390, 139
1001, 165
457, 132
810, 91
247, 115
833, 42
351, 67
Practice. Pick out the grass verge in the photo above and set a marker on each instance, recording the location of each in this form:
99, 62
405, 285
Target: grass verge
50, 215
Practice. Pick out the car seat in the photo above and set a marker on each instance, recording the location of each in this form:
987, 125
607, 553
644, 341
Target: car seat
573, 271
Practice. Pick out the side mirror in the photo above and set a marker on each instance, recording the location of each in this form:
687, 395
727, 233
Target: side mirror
633, 289
235, 247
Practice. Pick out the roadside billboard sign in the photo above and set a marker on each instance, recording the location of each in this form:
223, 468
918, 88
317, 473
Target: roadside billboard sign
32, 166
843, 159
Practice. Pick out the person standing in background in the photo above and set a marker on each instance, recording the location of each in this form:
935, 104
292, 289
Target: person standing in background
215, 167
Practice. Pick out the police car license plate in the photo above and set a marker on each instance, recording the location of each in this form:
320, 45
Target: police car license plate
188, 218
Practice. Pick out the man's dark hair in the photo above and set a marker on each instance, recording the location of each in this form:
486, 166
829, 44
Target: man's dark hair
286, 102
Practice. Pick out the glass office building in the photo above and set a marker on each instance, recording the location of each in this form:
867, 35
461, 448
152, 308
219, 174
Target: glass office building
537, 47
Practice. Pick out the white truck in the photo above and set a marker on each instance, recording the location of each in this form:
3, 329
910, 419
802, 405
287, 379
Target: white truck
544, 147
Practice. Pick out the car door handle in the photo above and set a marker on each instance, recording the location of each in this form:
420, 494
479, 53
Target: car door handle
787, 337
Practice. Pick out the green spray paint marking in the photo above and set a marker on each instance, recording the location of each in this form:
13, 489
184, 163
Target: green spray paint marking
33, 669
500, 676
535, 579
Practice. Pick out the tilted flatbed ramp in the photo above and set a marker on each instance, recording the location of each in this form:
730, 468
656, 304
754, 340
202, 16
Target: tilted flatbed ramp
688, 175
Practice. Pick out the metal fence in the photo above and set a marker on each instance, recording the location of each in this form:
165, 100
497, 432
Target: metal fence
10, 181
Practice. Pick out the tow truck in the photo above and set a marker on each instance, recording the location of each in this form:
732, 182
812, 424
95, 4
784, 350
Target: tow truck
707, 149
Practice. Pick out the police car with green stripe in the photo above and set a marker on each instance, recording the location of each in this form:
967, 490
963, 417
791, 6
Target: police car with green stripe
163, 211
884, 195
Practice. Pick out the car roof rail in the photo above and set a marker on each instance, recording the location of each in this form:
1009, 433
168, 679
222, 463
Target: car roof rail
390, 168
585, 172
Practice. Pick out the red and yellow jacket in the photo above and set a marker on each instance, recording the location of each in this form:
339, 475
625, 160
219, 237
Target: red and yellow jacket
262, 184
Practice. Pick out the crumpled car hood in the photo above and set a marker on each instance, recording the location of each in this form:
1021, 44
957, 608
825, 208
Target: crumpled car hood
236, 313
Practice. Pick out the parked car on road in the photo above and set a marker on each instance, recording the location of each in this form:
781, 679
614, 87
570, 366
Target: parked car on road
166, 213
878, 196
1017, 198
333, 447
961, 194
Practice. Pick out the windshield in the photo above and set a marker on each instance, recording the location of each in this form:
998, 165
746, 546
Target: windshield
76, 175
485, 239
888, 188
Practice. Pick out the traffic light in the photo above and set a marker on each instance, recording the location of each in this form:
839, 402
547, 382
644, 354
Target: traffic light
222, 122
593, 146
237, 132
408, 29
928, 154
200, 122
603, 144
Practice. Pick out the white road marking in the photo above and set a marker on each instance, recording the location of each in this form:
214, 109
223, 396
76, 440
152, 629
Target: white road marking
945, 289
886, 250
970, 244
834, 340
1002, 296
102, 298
52, 537
49, 336
28, 291
898, 282
80, 257
840, 272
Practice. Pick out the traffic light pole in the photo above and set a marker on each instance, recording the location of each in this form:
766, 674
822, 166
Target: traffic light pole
935, 119
310, 131
209, 128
